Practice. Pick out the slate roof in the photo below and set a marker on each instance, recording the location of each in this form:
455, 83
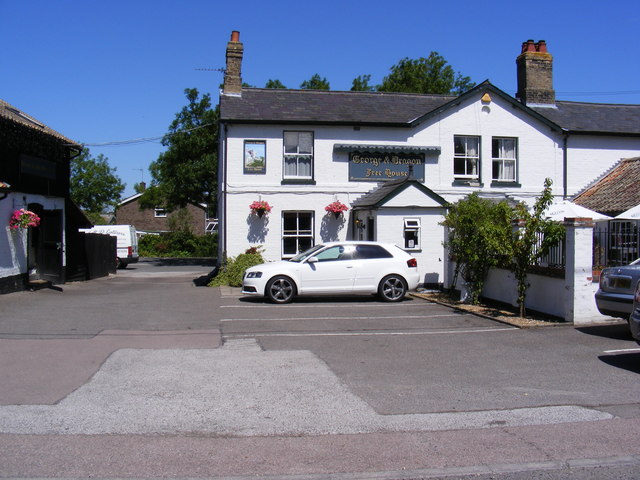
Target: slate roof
386, 190
616, 191
578, 117
328, 107
12, 114
282, 106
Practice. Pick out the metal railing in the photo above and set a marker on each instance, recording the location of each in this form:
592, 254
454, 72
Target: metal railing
616, 244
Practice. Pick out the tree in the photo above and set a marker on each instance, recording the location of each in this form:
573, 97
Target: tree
94, 185
315, 83
532, 240
186, 172
478, 231
425, 75
274, 84
361, 84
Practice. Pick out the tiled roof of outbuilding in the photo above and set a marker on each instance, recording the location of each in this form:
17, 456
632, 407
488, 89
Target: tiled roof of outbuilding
616, 192
11, 113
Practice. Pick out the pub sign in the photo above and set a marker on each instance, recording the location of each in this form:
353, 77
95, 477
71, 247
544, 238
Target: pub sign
383, 166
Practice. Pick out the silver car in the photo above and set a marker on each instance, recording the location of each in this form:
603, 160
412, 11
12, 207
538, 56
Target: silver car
617, 285
634, 318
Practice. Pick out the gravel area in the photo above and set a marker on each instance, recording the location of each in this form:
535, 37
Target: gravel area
499, 313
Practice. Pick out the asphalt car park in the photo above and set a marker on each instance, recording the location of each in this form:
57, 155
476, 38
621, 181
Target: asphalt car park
133, 368
415, 356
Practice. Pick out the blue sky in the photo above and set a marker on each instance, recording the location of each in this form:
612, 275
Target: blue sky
102, 72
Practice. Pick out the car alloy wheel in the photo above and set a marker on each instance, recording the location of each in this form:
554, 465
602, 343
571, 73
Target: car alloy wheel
280, 289
392, 288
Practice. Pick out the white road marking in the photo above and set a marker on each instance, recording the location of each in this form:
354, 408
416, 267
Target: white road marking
362, 334
396, 317
624, 350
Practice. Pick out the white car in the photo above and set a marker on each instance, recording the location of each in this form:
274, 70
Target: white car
336, 268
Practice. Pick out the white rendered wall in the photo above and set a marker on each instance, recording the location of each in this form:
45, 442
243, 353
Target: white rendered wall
13, 243
539, 151
430, 255
571, 298
589, 157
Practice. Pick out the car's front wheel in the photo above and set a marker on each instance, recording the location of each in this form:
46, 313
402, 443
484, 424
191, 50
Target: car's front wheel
392, 288
280, 289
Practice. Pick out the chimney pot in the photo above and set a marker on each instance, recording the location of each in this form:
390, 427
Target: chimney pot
531, 46
542, 46
235, 36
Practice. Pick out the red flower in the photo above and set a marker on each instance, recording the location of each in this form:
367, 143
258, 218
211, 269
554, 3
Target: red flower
336, 207
260, 207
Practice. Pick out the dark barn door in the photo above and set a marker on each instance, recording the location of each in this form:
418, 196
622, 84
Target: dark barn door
46, 247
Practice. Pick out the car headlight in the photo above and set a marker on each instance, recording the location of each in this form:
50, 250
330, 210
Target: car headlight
254, 274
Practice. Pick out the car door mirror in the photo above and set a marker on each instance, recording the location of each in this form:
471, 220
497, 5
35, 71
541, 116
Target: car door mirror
312, 260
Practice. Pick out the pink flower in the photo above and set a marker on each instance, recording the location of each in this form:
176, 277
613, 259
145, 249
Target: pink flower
23, 219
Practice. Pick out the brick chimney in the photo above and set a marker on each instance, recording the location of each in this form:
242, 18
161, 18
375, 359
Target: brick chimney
535, 74
232, 78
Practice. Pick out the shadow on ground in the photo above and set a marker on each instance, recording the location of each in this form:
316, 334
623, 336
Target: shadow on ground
328, 299
616, 331
175, 262
627, 361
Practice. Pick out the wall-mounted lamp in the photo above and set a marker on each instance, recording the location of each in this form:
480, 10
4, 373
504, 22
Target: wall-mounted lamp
5, 188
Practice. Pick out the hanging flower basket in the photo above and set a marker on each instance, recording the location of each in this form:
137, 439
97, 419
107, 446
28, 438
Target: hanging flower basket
23, 219
336, 208
260, 207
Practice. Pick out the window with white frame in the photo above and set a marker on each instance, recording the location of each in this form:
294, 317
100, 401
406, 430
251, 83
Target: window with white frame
504, 154
160, 212
297, 232
466, 157
298, 155
412, 233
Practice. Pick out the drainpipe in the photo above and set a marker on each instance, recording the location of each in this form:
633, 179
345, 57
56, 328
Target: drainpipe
565, 166
222, 194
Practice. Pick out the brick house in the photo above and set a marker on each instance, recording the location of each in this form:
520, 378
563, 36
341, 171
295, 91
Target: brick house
158, 220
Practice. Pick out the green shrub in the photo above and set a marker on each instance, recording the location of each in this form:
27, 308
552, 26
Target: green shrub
232, 271
178, 244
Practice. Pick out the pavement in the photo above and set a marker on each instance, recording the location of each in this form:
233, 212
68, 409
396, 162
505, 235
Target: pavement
239, 390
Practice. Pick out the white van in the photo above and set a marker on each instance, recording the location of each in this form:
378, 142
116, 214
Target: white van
127, 241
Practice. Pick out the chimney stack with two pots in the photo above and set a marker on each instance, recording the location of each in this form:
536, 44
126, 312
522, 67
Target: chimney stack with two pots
535, 74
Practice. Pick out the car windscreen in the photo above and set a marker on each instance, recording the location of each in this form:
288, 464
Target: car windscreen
307, 253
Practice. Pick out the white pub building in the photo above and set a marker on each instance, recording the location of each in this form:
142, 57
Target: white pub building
396, 160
